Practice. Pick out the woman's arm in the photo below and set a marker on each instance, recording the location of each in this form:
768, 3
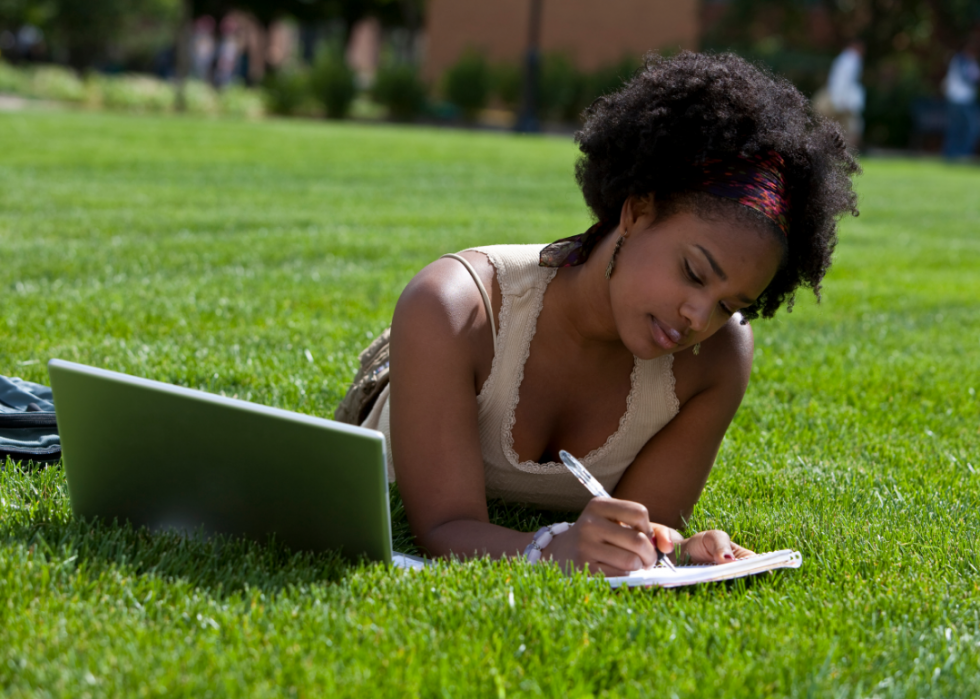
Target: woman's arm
436, 338
670, 471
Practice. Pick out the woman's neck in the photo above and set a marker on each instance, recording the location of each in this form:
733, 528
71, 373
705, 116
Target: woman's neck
579, 306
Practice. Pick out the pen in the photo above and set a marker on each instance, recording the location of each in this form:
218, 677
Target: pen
595, 487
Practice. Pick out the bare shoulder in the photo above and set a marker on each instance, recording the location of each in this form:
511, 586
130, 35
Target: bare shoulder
445, 291
442, 306
723, 362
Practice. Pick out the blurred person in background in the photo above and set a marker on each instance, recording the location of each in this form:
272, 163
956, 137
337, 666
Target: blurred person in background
960, 90
228, 52
843, 98
203, 47
30, 45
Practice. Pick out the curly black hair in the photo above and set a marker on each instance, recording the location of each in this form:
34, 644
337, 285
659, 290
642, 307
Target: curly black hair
649, 138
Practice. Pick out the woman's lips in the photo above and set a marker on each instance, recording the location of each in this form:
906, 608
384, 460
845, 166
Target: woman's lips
664, 335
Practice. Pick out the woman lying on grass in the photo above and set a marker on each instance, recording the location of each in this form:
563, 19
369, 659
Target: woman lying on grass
716, 193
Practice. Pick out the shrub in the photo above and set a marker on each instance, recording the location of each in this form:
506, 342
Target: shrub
135, 93
56, 83
399, 88
610, 78
805, 69
12, 80
468, 84
893, 88
561, 92
332, 83
199, 98
287, 91
239, 101
507, 82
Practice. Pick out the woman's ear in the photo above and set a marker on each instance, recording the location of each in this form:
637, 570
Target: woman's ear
634, 208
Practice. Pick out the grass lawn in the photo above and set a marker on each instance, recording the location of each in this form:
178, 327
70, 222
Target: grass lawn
216, 254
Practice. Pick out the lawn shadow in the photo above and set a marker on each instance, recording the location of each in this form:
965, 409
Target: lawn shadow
38, 518
222, 565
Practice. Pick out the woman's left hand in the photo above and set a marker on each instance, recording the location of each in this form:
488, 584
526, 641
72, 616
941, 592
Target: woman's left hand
712, 546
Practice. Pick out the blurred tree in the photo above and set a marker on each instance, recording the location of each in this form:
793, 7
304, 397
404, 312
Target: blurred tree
82, 32
14, 13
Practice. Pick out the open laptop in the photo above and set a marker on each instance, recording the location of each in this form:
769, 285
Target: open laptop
168, 457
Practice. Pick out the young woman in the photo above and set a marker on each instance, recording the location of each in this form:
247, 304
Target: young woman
716, 193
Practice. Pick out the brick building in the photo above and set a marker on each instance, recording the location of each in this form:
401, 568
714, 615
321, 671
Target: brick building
593, 33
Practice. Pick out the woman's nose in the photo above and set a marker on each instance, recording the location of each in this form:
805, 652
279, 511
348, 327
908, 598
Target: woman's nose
698, 315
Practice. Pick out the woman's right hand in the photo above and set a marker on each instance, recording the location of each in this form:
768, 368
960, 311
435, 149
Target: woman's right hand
612, 536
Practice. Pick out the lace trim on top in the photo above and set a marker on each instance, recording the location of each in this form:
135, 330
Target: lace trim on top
554, 467
675, 402
487, 388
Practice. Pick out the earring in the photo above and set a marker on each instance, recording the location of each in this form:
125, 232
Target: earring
612, 260
697, 348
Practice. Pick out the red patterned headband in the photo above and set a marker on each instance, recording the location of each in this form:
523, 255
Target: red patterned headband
755, 181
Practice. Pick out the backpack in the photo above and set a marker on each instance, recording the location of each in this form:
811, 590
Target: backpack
368, 384
28, 429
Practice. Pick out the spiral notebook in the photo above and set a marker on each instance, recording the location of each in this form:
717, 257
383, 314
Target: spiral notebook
662, 576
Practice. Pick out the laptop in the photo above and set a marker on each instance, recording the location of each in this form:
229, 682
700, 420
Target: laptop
173, 458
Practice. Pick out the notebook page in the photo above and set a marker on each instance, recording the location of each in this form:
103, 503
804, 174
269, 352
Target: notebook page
693, 575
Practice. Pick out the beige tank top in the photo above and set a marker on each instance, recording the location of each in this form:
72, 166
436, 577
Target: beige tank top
651, 404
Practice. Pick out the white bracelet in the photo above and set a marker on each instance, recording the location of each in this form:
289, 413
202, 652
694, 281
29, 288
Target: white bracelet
541, 540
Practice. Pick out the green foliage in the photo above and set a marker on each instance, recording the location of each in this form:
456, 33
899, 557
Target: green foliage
507, 80
805, 69
888, 108
57, 83
238, 101
12, 80
611, 78
287, 91
562, 89
88, 30
331, 83
14, 13
200, 98
134, 93
46, 82
467, 84
399, 87
213, 254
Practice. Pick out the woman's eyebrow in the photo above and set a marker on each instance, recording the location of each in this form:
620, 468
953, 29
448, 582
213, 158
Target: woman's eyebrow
714, 264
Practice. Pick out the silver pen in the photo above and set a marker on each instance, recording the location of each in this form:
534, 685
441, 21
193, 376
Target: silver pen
595, 487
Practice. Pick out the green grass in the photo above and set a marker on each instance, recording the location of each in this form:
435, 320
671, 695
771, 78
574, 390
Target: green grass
214, 254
